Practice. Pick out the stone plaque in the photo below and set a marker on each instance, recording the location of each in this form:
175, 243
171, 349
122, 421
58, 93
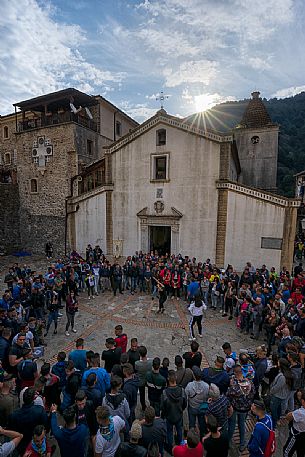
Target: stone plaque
271, 243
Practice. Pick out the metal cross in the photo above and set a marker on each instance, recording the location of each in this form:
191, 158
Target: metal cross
161, 98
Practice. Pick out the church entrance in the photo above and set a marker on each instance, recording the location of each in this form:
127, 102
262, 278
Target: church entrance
160, 239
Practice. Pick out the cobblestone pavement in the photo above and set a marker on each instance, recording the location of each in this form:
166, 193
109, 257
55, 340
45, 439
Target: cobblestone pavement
164, 335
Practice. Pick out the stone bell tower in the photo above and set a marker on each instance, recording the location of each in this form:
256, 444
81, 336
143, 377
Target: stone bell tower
257, 142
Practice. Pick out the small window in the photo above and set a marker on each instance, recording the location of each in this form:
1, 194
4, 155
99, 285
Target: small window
118, 128
7, 158
89, 147
161, 137
160, 168
5, 132
34, 186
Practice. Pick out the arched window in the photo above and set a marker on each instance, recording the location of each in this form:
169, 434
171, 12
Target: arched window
7, 158
5, 132
161, 137
34, 186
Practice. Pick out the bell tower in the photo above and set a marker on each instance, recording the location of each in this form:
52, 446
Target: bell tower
257, 142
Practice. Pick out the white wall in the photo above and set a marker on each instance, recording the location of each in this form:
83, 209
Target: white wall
90, 223
248, 220
194, 168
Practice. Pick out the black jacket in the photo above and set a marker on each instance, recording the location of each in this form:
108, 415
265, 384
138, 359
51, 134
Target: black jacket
24, 420
4, 352
130, 389
173, 402
87, 416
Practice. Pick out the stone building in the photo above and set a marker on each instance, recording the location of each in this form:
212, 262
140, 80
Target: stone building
174, 187
50, 140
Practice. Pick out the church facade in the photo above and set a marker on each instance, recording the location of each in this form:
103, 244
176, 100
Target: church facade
174, 187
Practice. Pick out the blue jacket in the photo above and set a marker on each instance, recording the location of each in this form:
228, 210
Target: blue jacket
102, 379
71, 442
193, 289
259, 437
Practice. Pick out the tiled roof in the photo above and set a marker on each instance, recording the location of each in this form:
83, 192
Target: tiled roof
256, 114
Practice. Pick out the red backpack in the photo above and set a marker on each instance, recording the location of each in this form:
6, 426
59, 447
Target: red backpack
271, 443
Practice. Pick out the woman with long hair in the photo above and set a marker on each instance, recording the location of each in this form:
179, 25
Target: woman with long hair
196, 309
71, 309
280, 389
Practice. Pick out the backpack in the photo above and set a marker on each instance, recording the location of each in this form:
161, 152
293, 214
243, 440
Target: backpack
271, 443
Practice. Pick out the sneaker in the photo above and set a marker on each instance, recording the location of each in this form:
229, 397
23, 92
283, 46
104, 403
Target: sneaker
191, 339
55, 332
67, 334
220, 311
60, 314
88, 298
93, 296
73, 330
172, 297
200, 336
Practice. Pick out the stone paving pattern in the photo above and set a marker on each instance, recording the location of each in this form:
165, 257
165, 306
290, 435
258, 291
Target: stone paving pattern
165, 335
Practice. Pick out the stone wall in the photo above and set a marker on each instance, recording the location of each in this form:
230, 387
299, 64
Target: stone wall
9, 218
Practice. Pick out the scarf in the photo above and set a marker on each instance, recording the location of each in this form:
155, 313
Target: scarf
42, 449
108, 432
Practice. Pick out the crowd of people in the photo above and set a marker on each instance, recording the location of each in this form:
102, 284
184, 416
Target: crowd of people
121, 402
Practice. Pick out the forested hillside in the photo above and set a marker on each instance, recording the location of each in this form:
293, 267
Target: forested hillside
289, 113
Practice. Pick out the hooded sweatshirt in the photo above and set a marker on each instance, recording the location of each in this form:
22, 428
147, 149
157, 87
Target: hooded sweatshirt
118, 405
70, 441
173, 402
197, 393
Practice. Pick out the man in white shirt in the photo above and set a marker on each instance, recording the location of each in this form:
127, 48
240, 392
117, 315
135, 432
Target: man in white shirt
108, 435
296, 438
7, 448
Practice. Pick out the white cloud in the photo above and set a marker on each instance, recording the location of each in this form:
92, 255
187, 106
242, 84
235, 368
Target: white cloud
258, 63
201, 71
40, 55
138, 111
289, 91
204, 100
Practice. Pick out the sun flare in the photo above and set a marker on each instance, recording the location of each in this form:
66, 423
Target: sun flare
204, 102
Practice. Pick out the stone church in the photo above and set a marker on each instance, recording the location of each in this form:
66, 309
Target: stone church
84, 172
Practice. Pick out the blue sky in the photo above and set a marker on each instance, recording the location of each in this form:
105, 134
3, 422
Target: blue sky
199, 52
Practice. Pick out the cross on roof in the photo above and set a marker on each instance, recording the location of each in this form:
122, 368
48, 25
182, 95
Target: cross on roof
161, 97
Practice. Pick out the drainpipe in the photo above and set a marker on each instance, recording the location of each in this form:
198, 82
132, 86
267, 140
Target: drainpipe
114, 120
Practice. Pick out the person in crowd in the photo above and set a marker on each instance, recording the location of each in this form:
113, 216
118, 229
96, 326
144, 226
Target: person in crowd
261, 431
78, 355
153, 430
241, 394
155, 385
25, 419
39, 446
116, 400
142, 367
173, 403
219, 406
183, 375
192, 448
214, 442
111, 356
193, 357
102, 376
71, 309
217, 375
130, 389
108, 436
197, 395
72, 438
133, 352
296, 438
196, 309
8, 447
133, 448
121, 339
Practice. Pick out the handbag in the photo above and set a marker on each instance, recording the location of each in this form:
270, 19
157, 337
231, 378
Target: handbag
203, 407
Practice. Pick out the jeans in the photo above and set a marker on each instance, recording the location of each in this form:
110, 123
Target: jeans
276, 407
193, 414
215, 300
133, 284
195, 320
241, 422
170, 432
70, 321
96, 283
53, 316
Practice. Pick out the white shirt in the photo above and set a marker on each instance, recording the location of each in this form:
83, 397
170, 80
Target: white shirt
197, 310
299, 419
28, 337
108, 448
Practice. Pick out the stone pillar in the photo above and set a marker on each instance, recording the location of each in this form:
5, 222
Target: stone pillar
225, 151
289, 231
109, 223
144, 236
108, 169
221, 227
175, 245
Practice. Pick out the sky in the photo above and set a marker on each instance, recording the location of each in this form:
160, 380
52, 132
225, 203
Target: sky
198, 52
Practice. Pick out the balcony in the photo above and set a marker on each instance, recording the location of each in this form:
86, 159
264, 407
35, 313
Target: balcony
56, 119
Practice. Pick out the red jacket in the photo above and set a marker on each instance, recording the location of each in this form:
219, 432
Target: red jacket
121, 342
